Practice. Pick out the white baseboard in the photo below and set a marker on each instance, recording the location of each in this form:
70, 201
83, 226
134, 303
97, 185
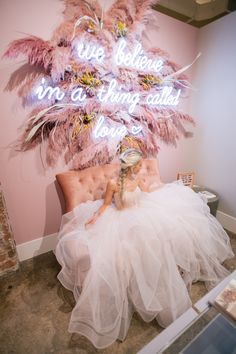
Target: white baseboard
227, 221
36, 247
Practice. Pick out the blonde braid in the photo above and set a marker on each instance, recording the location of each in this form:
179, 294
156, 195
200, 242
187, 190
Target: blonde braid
123, 173
128, 158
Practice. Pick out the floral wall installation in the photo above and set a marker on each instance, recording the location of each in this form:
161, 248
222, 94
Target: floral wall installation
95, 90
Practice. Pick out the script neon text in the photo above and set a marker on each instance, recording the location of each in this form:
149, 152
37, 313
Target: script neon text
101, 130
109, 94
164, 98
135, 58
86, 51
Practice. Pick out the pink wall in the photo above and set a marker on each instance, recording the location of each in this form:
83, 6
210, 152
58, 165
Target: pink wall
214, 143
180, 41
31, 196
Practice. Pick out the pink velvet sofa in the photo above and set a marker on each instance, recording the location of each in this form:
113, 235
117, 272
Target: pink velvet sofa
90, 184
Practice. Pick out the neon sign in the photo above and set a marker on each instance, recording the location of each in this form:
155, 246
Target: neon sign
48, 92
102, 130
109, 95
135, 58
112, 92
86, 51
164, 98
122, 56
78, 95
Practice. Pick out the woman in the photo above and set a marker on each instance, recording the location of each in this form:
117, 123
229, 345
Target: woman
137, 254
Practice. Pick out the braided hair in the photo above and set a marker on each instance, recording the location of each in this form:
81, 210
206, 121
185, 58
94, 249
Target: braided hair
128, 158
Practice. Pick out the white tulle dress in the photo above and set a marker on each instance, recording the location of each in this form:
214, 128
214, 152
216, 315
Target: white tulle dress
140, 258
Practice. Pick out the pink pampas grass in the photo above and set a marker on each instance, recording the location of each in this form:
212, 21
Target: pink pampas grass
37, 51
77, 8
61, 58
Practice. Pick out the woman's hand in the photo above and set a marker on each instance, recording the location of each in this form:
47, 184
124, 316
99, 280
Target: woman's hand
91, 221
111, 188
143, 186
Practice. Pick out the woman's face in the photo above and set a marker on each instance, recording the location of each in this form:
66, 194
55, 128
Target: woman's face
136, 168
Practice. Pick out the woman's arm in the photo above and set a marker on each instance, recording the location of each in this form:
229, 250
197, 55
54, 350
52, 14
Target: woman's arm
110, 189
154, 185
143, 186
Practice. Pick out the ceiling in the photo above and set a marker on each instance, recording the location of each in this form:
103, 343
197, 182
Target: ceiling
196, 12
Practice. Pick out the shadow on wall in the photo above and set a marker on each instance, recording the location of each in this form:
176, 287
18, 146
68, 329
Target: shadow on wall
53, 201
22, 77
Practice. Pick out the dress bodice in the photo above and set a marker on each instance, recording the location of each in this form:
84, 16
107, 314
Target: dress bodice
129, 199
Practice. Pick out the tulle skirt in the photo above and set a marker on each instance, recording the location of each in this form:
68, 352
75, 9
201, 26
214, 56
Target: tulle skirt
138, 259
